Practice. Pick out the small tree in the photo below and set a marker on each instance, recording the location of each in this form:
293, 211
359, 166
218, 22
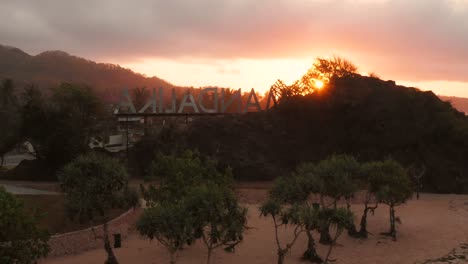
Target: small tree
170, 224
393, 187
219, 220
178, 174
339, 220
10, 119
368, 181
21, 241
333, 179
282, 217
325, 69
295, 189
93, 185
417, 176
206, 190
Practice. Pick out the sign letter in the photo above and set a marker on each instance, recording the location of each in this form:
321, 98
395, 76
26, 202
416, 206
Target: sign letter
271, 97
152, 101
250, 104
215, 100
188, 97
232, 97
126, 101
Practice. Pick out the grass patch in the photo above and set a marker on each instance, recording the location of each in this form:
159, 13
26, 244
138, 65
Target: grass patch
53, 216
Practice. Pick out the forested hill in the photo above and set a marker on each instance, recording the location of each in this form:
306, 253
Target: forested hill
49, 68
362, 116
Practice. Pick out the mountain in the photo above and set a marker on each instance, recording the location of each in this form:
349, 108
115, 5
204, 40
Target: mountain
459, 103
49, 68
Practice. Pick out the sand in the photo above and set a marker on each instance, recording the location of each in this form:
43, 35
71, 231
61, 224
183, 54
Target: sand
431, 228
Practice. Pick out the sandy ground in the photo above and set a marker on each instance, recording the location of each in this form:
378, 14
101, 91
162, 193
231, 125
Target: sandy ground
431, 228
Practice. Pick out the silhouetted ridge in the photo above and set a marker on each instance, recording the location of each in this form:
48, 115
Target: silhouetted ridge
49, 68
362, 116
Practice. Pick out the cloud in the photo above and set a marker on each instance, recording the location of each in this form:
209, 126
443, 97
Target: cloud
414, 40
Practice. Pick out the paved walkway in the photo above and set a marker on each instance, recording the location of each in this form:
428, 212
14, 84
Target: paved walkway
14, 160
25, 191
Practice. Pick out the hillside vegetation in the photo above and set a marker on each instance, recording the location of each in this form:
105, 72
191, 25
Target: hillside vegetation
362, 116
50, 68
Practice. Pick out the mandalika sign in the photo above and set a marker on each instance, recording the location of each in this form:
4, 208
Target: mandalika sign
220, 101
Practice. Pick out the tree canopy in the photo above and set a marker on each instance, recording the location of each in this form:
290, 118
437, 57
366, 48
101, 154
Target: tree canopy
21, 240
198, 188
93, 185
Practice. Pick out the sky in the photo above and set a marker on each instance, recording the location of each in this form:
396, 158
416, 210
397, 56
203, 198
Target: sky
252, 43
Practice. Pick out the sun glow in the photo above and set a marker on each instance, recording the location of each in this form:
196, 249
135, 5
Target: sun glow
319, 84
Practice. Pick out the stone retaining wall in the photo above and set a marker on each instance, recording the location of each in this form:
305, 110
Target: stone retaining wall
78, 241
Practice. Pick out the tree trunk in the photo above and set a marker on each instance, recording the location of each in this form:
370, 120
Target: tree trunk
311, 254
328, 253
352, 231
173, 257
281, 255
332, 244
107, 246
208, 259
325, 237
363, 224
392, 222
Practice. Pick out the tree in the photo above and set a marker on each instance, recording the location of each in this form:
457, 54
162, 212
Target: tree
283, 217
176, 175
295, 189
7, 93
93, 185
219, 220
206, 192
288, 204
10, 119
21, 240
60, 127
417, 176
393, 187
333, 178
169, 224
369, 182
339, 220
325, 69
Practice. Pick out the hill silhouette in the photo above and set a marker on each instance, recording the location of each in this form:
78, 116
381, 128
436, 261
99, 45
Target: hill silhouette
358, 115
363, 116
50, 68
459, 103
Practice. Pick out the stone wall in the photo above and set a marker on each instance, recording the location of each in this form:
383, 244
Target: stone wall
91, 238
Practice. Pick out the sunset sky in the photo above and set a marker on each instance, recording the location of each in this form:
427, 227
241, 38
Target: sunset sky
245, 44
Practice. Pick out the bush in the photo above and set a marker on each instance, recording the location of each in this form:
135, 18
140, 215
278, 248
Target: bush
21, 241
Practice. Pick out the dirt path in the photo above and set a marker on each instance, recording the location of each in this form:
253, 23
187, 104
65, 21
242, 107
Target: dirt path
431, 227
25, 190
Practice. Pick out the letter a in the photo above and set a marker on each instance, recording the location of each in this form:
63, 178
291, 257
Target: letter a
125, 101
254, 104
